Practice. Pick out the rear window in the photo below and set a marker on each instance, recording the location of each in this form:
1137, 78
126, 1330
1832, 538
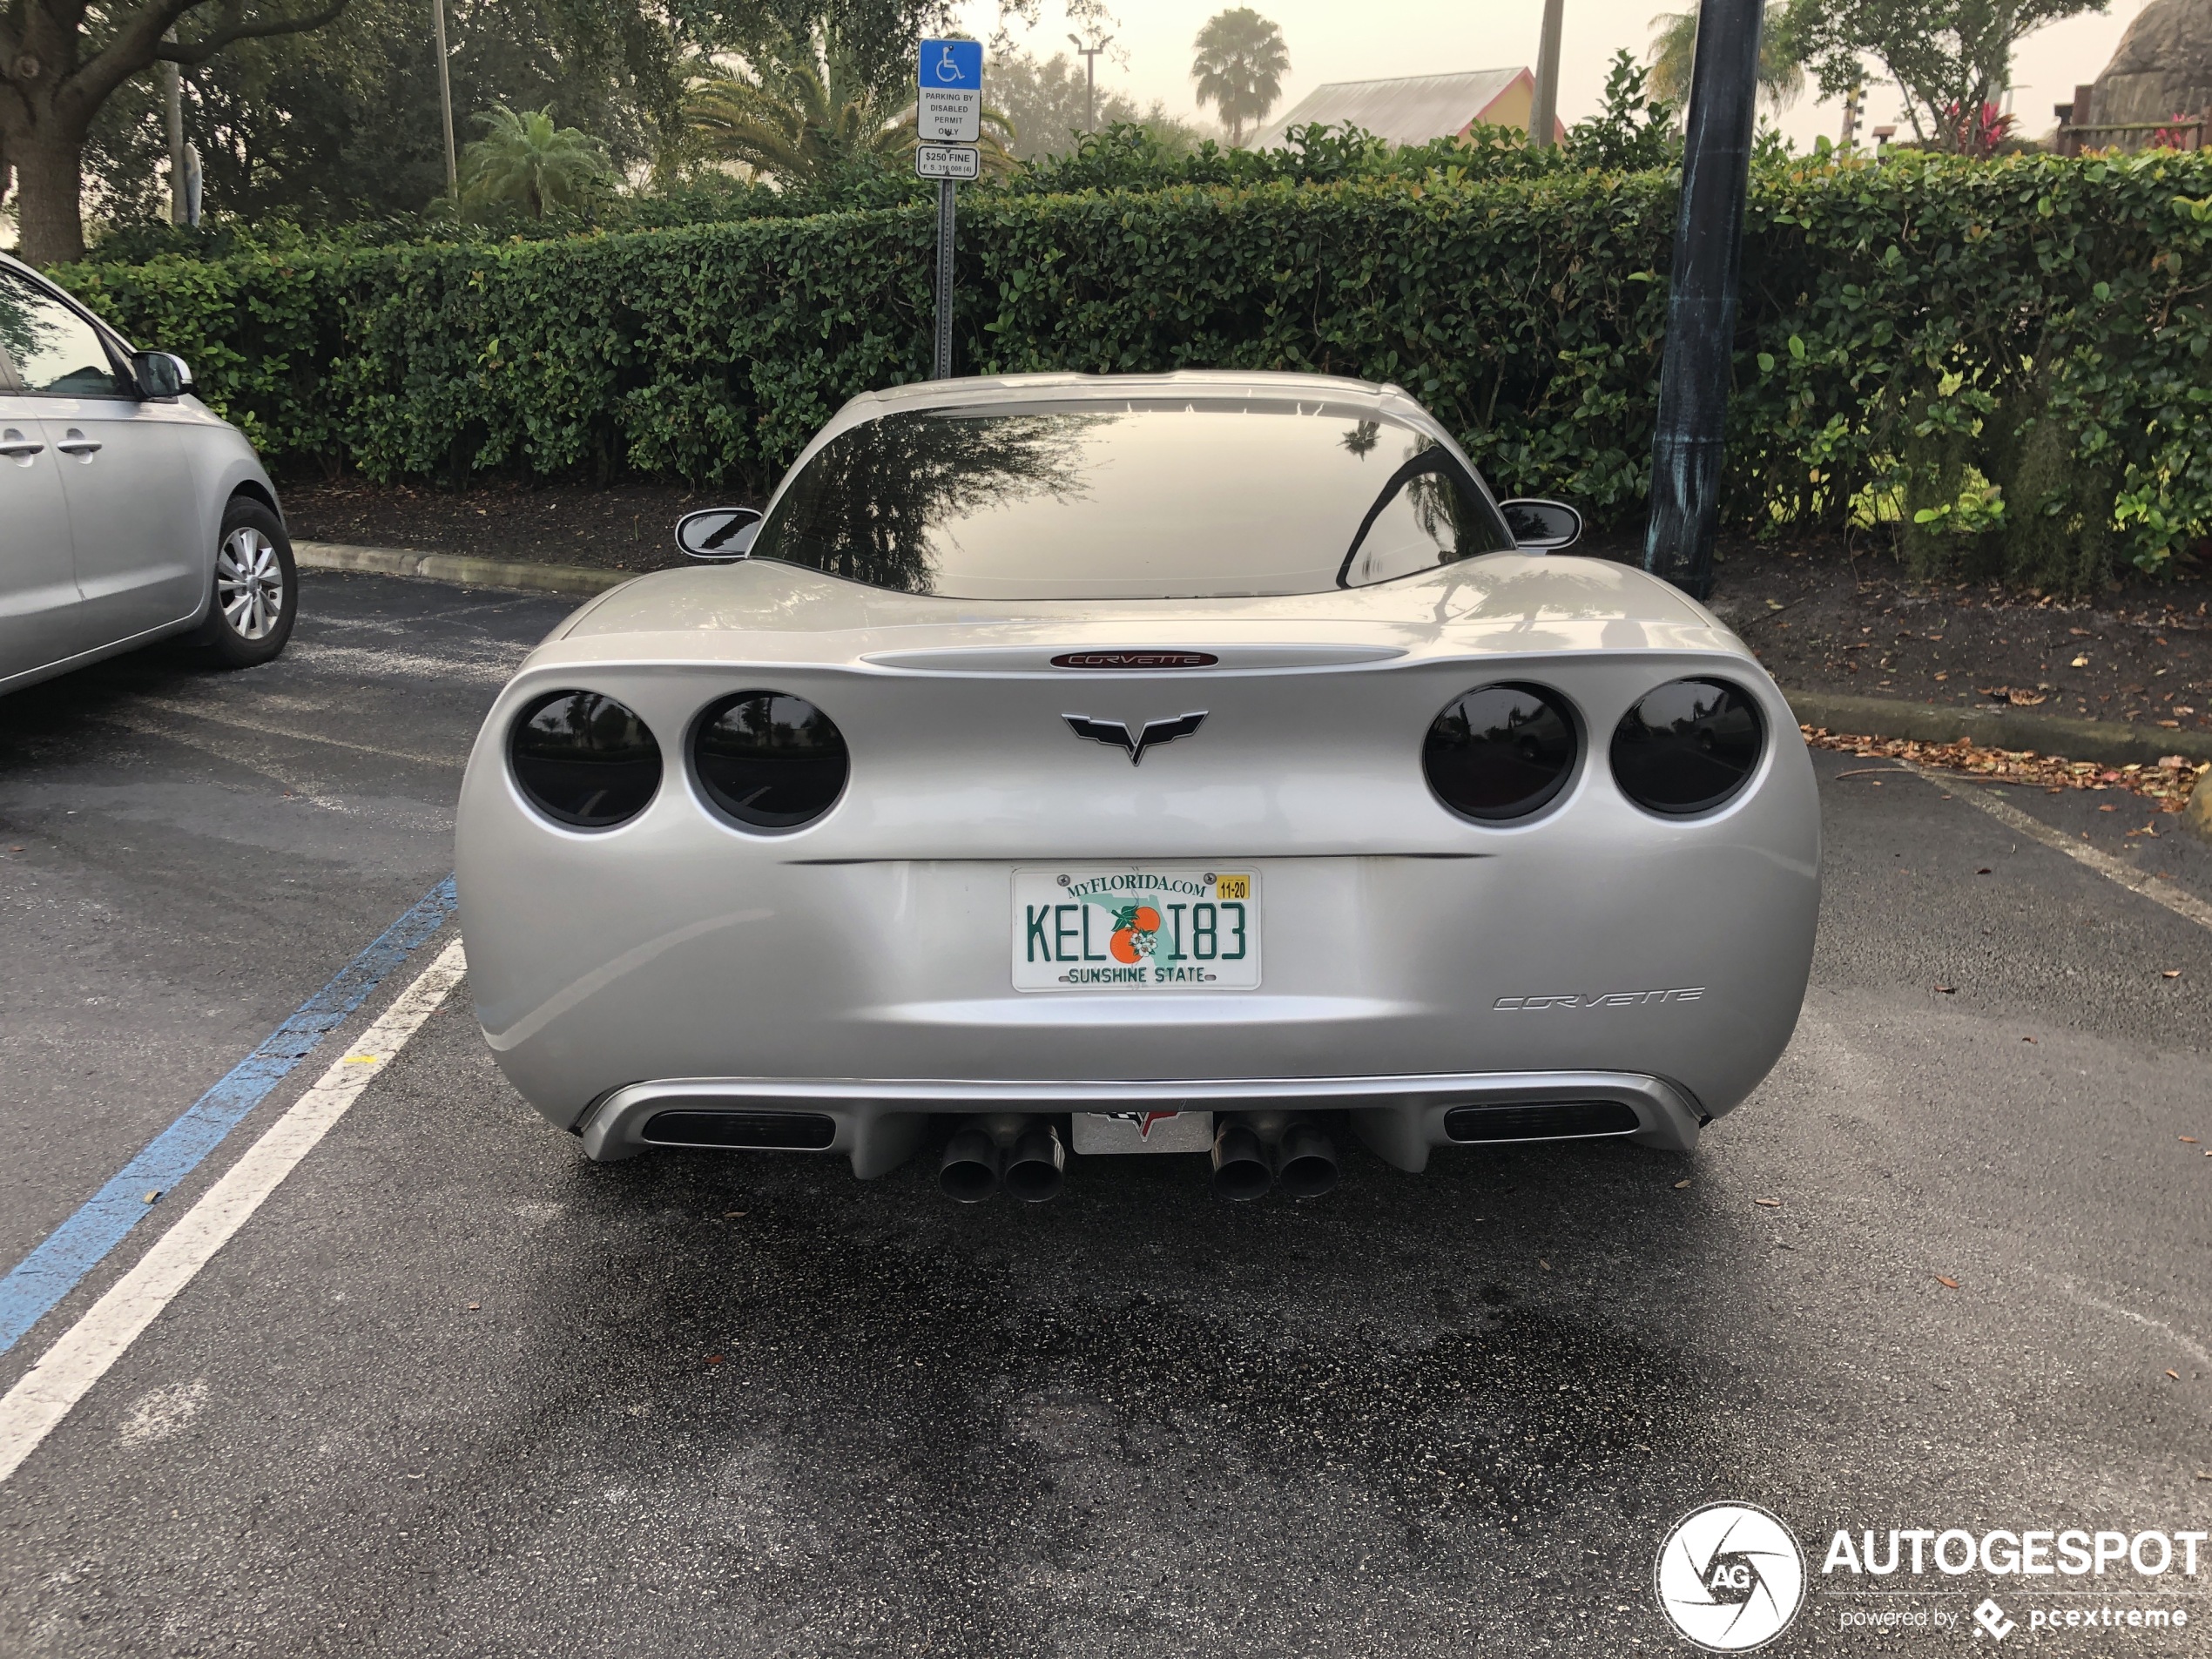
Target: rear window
1168, 500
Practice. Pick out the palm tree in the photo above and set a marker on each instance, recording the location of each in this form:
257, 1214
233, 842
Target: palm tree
803, 118
526, 158
1239, 68
1674, 50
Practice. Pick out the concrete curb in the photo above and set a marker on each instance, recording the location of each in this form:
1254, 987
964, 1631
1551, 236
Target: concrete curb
2113, 741
519, 575
1873, 716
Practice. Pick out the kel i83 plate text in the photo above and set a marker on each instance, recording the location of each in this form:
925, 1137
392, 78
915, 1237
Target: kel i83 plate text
1133, 929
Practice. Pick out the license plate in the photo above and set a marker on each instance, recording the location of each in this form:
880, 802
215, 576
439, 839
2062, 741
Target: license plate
1097, 1132
1130, 930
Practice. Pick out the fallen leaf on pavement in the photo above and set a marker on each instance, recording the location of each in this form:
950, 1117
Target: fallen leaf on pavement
2170, 786
1947, 1284
2189, 1140
1681, 1185
1541, 1263
2175, 1375
475, 1307
2027, 1039
1771, 1203
2079, 662
1948, 990
1985, 870
2170, 973
714, 1359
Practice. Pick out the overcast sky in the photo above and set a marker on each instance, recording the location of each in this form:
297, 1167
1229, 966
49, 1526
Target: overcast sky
1340, 40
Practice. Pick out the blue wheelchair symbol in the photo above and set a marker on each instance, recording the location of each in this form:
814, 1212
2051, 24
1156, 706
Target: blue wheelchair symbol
952, 63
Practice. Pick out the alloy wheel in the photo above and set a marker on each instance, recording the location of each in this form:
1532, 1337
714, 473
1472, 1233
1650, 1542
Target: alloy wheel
249, 583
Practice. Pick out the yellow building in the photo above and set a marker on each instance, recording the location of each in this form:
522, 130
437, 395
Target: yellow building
1412, 109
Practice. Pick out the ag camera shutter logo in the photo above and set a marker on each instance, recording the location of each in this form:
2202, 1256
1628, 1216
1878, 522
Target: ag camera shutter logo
1731, 1577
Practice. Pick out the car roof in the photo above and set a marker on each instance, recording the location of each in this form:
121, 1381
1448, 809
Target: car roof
995, 391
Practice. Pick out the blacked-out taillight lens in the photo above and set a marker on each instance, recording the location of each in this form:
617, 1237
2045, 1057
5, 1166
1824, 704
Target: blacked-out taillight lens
1687, 747
769, 759
1499, 752
583, 759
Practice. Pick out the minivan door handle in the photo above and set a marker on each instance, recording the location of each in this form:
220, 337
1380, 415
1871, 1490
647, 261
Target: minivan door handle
77, 444
17, 447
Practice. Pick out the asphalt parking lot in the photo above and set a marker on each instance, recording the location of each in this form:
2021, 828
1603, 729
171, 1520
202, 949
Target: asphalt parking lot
451, 1389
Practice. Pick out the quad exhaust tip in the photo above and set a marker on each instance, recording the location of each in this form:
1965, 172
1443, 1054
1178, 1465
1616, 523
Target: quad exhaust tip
1241, 1171
1037, 1168
1302, 1162
1024, 1159
969, 1170
1306, 1162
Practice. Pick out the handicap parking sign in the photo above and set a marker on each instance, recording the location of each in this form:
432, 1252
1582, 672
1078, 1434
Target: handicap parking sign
952, 64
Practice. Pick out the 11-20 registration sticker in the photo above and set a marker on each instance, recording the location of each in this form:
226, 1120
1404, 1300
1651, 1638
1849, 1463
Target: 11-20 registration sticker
1135, 929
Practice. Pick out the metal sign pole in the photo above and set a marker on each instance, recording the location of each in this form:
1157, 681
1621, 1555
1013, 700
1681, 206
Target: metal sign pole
1687, 445
944, 280
947, 121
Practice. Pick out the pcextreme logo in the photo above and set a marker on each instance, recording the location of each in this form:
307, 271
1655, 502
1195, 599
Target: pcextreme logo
1731, 1577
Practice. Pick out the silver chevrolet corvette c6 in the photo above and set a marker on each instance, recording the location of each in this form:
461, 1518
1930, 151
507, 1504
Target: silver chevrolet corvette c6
1185, 762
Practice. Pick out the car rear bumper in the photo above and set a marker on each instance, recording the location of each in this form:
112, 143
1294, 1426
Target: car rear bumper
877, 1123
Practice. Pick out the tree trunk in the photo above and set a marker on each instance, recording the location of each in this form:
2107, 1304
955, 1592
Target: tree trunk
43, 138
50, 224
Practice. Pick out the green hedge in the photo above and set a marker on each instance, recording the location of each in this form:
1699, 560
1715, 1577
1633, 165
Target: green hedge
2009, 359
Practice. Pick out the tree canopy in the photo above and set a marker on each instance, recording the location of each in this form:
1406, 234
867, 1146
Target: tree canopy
325, 112
1952, 58
1674, 52
527, 160
1239, 68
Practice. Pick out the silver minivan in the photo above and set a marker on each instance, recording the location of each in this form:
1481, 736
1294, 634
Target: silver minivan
130, 512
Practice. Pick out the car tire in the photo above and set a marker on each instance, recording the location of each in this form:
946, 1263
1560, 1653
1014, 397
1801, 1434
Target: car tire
256, 589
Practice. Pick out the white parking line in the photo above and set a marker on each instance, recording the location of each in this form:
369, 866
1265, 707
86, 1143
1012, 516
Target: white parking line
220, 716
66, 1372
2165, 893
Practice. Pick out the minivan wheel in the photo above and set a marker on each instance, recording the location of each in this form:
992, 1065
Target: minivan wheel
256, 587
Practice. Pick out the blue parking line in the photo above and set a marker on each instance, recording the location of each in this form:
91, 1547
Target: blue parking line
73, 1249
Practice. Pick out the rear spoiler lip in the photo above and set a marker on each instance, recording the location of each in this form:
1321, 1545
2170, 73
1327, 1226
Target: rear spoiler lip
1038, 659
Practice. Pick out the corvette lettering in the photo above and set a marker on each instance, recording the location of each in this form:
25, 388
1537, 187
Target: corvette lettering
1136, 659
1603, 999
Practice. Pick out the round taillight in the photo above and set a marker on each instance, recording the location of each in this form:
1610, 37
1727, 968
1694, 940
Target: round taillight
769, 759
1499, 752
1688, 746
583, 759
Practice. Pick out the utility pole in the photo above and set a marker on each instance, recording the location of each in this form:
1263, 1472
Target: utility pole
1543, 110
1687, 445
1089, 55
172, 103
445, 99
172, 109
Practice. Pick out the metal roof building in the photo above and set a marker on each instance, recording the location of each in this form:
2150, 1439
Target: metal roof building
1413, 109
